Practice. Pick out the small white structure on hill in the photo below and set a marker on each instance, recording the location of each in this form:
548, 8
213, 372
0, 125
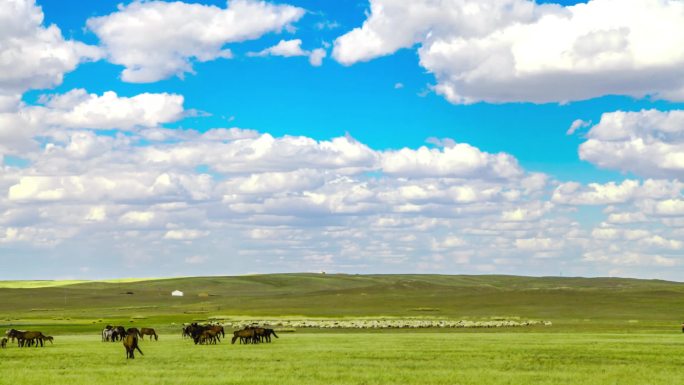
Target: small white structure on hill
177, 293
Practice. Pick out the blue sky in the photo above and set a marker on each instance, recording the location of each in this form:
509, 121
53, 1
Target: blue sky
393, 80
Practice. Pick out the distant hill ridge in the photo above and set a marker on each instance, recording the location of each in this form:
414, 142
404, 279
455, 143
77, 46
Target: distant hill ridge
348, 295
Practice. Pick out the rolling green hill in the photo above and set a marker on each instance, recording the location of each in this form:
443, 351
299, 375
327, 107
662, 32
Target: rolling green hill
572, 302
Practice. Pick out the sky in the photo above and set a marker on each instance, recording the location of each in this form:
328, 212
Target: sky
155, 139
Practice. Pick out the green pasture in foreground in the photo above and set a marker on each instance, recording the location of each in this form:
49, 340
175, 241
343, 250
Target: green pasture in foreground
359, 358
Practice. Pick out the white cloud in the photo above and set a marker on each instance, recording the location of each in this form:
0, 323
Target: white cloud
630, 259
32, 55
538, 244
185, 234
78, 109
290, 48
316, 57
517, 50
574, 193
284, 48
155, 40
457, 160
196, 259
286, 202
649, 143
670, 207
576, 125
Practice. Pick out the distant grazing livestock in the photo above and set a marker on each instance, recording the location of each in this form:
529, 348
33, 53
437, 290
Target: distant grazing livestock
3, 343
113, 333
207, 337
108, 335
197, 333
130, 342
148, 332
11, 333
26, 339
268, 333
119, 333
246, 336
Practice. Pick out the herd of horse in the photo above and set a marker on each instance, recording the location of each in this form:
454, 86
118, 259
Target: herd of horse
200, 334
25, 338
119, 333
212, 333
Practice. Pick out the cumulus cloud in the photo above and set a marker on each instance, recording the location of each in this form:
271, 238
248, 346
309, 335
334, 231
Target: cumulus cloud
33, 55
648, 143
518, 50
454, 160
155, 39
78, 109
614, 193
290, 48
97, 176
297, 199
56, 116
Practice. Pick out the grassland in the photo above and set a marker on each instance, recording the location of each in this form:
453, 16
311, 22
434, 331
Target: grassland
605, 330
359, 358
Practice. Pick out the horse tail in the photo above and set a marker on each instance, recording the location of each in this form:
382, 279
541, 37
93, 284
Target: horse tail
234, 339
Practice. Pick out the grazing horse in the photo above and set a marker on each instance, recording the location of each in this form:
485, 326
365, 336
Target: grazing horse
206, 336
130, 342
11, 333
3, 342
217, 329
148, 332
268, 333
245, 336
119, 333
108, 335
26, 338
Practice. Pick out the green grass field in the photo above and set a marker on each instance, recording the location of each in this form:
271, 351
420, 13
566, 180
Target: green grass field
605, 330
359, 358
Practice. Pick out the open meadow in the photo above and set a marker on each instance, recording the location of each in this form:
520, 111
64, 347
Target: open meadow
597, 331
360, 358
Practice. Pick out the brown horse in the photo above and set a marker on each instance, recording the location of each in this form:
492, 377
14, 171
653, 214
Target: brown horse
217, 329
207, 337
148, 332
130, 342
133, 331
246, 336
26, 338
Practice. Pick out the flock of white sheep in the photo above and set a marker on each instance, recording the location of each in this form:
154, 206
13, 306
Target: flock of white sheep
386, 324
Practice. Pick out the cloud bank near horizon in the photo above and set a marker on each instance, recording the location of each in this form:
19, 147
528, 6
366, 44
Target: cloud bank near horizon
106, 184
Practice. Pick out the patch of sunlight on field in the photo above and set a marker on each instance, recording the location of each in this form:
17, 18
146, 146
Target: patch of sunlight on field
48, 283
358, 358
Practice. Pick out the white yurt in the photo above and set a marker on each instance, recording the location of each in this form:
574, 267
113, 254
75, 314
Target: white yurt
177, 293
